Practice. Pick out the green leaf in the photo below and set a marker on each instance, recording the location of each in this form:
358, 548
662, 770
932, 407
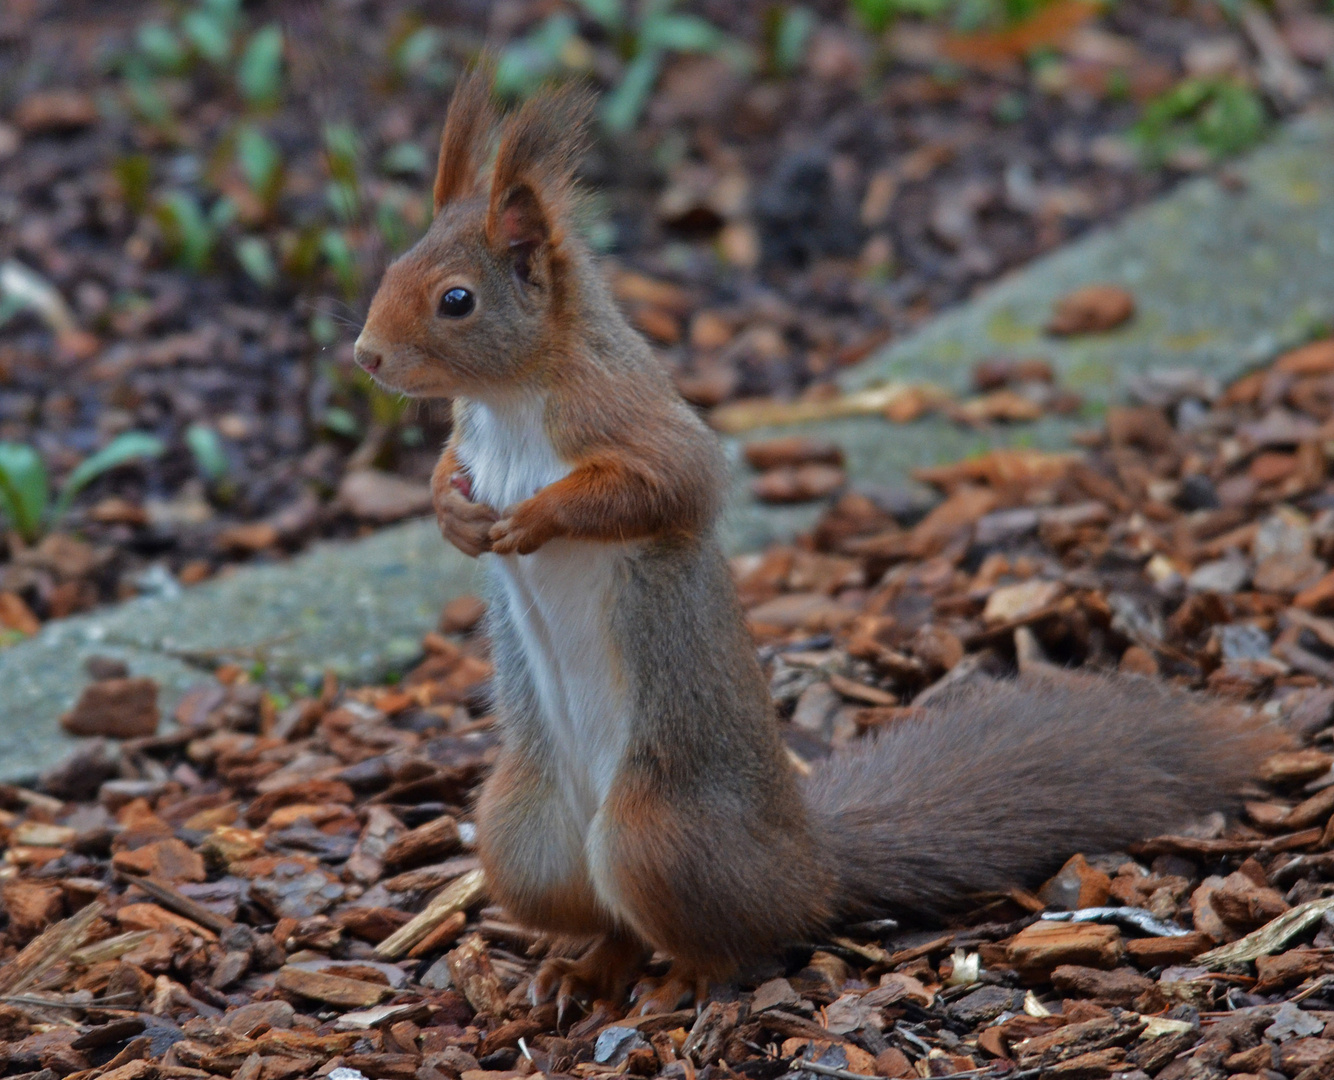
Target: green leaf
621, 107
338, 253
341, 422
391, 225
343, 149
682, 33
418, 50
259, 75
188, 232
524, 65
24, 489
123, 449
405, 159
210, 35
875, 15
343, 200
221, 214
791, 36
161, 47
261, 163
209, 453
609, 14
253, 253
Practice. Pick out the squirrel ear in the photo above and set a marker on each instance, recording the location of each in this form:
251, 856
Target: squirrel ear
533, 183
467, 131
522, 227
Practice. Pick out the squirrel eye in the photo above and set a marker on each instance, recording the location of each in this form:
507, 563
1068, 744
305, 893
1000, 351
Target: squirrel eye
456, 303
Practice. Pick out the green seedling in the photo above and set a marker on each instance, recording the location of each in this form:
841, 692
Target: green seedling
191, 234
526, 64
211, 28
660, 31
261, 163
162, 47
338, 256
210, 455
340, 421
418, 56
342, 154
405, 159
25, 490
787, 33
392, 226
1221, 116
259, 74
966, 16
256, 259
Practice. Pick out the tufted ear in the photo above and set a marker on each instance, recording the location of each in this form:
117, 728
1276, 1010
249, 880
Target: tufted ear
467, 132
532, 186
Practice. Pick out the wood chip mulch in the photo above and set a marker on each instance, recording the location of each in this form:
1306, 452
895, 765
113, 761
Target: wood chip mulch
279, 889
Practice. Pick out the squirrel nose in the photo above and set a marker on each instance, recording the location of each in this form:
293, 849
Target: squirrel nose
367, 356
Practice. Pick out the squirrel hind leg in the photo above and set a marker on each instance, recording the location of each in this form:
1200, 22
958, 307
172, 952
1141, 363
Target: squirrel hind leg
605, 970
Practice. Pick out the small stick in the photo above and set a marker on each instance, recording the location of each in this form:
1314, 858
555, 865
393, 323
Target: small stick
462, 894
168, 897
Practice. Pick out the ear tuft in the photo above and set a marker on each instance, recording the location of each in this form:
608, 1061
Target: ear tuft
467, 132
532, 186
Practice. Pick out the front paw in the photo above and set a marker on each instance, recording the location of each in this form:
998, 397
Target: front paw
519, 533
464, 523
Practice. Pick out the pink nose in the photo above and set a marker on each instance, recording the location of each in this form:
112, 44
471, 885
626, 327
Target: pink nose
368, 358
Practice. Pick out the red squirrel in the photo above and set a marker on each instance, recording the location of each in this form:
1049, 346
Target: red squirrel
642, 799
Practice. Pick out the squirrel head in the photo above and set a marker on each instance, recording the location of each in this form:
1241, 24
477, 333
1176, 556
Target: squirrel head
483, 303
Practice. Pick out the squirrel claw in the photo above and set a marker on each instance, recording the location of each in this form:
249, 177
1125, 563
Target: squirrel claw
604, 971
669, 993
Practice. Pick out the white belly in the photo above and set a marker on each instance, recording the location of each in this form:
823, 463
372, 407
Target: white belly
559, 598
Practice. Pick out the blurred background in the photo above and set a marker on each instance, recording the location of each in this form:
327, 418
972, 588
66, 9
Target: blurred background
197, 198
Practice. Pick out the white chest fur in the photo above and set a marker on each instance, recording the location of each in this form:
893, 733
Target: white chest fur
559, 600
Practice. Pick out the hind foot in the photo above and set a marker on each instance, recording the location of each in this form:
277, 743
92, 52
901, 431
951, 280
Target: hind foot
604, 971
680, 986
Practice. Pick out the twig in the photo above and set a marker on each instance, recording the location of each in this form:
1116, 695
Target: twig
48, 949
168, 897
1269, 938
462, 894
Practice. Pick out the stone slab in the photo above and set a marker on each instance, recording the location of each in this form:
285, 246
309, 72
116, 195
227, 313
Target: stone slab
358, 609
1224, 278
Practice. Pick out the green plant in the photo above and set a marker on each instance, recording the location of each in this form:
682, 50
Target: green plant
256, 259
206, 448
1219, 115
190, 232
526, 64
261, 164
417, 56
342, 152
876, 15
555, 47
211, 28
966, 16
259, 73
645, 45
25, 490
787, 33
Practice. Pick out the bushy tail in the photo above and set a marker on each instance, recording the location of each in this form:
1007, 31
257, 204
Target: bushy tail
998, 783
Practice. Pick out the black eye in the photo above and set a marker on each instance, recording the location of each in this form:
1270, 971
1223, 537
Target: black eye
456, 303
